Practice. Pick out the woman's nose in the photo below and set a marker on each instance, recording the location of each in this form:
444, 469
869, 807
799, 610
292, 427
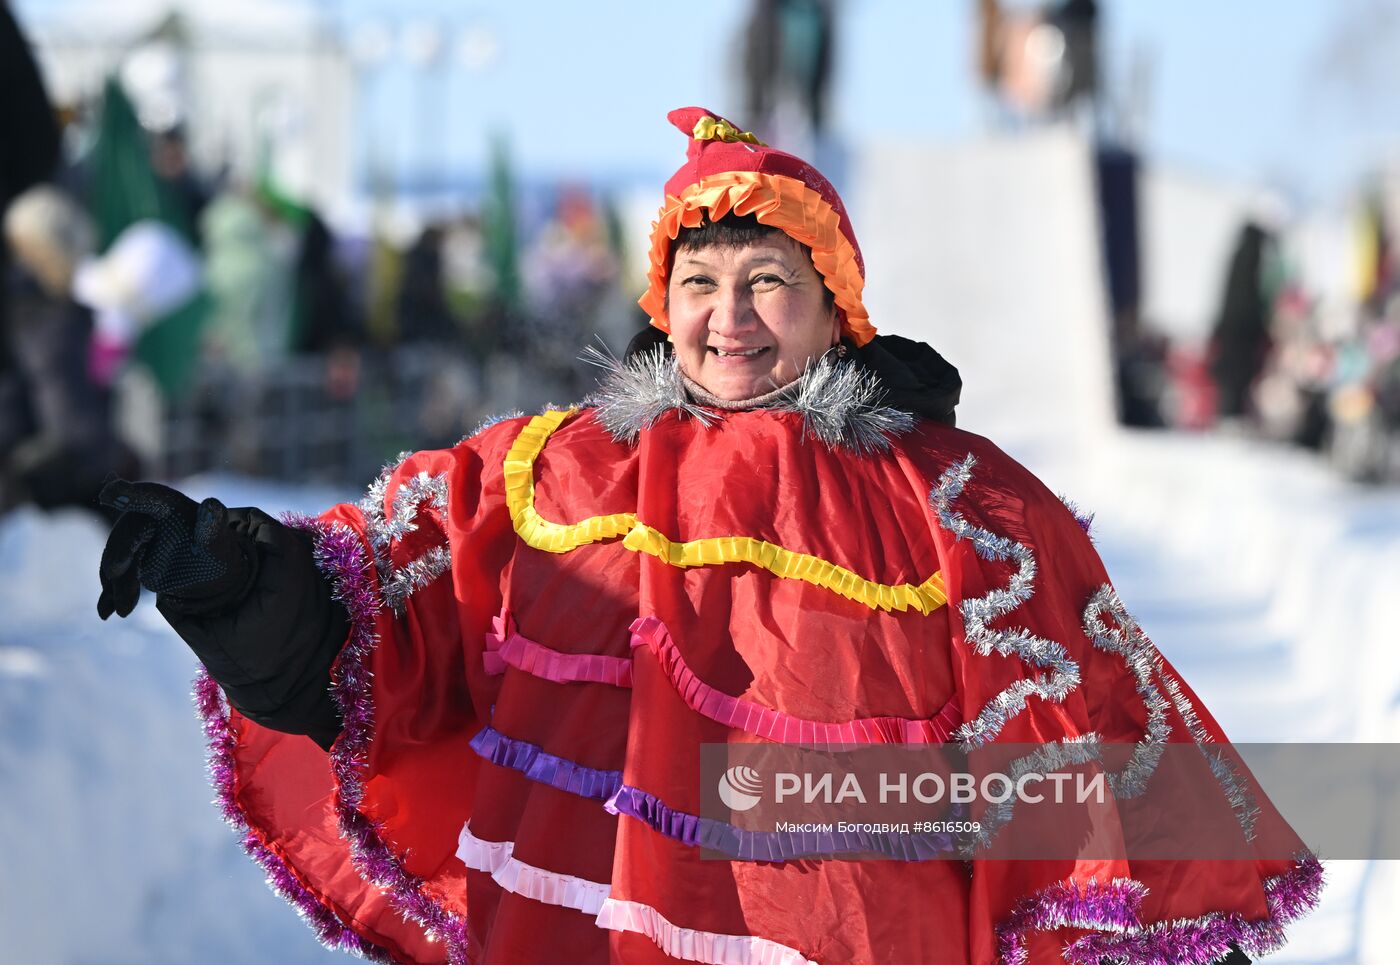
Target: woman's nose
733, 311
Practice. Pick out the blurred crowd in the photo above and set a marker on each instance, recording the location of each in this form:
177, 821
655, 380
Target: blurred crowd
159, 320
1283, 362
1283, 359
1334, 383
162, 318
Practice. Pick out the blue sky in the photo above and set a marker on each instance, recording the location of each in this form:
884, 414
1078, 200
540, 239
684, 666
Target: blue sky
1237, 89
1249, 89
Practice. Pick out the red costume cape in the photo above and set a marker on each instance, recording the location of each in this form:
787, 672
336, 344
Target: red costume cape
548, 623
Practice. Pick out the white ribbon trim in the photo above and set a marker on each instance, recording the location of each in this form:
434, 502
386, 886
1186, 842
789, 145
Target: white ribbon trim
497, 859
517, 877
695, 946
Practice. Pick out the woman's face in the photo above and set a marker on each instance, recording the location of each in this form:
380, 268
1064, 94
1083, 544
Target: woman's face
747, 320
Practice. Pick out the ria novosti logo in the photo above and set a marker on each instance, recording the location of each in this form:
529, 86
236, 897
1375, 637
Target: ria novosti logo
740, 787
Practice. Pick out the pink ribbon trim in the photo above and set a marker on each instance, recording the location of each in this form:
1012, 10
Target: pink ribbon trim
749, 717
505, 647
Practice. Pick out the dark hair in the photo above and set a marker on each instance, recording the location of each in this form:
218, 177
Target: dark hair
732, 231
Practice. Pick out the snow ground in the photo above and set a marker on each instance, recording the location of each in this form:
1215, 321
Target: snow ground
114, 852
1264, 579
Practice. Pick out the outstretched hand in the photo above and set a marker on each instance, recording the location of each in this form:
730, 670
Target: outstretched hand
167, 543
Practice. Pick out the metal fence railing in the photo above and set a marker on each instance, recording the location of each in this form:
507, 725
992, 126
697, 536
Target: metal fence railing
339, 419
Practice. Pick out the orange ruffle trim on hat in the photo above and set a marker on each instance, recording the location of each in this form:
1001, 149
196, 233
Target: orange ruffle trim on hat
775, 200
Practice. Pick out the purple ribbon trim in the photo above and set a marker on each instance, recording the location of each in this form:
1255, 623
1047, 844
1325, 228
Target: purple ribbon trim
534, 763
742, 845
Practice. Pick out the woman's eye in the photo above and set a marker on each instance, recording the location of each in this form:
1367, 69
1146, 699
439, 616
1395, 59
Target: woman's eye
765, 282
698, 281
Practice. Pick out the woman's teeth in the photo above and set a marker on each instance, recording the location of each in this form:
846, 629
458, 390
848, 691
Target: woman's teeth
752, 351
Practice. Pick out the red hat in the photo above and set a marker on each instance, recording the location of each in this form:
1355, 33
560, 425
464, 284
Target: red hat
728, 170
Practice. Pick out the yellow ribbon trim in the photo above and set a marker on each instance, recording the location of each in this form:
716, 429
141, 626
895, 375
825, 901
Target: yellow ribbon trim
534, 529
711, 129
542, 534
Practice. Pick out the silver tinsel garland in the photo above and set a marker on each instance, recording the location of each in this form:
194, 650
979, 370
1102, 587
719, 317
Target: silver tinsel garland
388, 522
840, 402
1060, 673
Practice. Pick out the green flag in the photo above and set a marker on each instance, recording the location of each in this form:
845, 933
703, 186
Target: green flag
499, 228
125, 190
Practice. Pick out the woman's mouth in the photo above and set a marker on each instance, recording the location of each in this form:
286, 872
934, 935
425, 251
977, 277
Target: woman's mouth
737, 353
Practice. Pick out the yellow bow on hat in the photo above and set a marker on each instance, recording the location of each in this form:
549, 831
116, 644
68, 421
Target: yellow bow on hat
710, 129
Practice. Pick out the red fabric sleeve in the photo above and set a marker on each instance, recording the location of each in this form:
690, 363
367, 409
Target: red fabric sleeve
1046, 654
363, 840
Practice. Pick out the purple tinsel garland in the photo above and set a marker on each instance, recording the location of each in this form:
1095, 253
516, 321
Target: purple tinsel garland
1111, 908
223, 773
1085, 520
342, 558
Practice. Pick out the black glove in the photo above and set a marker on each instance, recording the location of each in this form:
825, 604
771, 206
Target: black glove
165, 542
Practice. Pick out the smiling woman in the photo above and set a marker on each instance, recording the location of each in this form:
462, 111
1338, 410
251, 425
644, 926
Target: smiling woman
762, 530
747, 318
